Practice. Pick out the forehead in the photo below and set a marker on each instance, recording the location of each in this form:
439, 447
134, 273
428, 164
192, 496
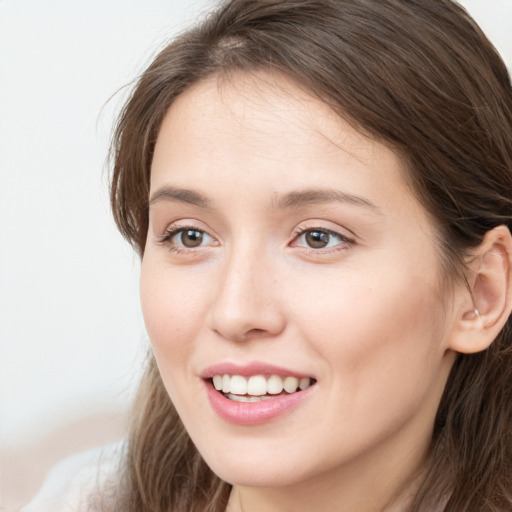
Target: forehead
259, 110
249, 126
261, 106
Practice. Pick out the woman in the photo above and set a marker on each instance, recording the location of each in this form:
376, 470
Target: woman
320, 192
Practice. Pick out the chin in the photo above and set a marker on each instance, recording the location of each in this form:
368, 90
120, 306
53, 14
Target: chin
247, 475
256, 469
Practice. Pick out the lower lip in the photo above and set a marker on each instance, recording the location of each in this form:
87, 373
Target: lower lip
254, 413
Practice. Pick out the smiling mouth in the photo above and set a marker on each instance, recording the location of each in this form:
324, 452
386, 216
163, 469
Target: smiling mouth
258, 387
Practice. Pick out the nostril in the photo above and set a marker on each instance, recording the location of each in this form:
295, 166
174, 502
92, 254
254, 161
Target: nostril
255, 332
244, 335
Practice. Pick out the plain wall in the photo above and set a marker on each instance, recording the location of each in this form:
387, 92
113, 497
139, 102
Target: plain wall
72, 340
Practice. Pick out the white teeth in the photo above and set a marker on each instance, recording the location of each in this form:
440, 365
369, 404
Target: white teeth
226, 384
238, 385
238, 398
291, 384
257, 386
274, 385
217, 382
304, 383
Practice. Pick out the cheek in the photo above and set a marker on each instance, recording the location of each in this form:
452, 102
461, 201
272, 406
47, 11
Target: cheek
382, 353
171, 308
376, 326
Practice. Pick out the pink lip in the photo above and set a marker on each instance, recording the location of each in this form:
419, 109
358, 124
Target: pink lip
253, 413
255, 368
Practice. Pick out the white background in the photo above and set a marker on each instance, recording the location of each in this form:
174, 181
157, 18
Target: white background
72, 339
70, 328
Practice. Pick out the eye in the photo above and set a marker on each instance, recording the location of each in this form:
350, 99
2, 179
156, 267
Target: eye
317, 239
183, 238
320, 238
190, 238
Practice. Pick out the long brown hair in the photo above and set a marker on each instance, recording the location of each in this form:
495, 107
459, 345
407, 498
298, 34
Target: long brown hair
419, 76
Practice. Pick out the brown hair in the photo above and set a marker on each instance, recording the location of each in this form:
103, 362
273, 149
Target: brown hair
418, 75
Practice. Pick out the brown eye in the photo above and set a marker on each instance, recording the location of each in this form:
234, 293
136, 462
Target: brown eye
190, 238
322, 240
317, 239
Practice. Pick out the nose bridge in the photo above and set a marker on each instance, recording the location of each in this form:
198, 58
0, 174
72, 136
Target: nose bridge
246, 302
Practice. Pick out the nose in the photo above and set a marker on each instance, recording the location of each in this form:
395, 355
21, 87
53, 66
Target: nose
246, 304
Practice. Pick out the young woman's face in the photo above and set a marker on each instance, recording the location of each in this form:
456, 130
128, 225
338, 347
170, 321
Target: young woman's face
285, 249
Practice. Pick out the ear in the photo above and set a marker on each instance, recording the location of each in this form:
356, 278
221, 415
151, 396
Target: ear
483, 310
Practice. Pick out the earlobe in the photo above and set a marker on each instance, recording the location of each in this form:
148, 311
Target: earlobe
488, 302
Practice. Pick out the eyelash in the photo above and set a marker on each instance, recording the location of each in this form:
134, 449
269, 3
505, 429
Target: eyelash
174, 230
345, 241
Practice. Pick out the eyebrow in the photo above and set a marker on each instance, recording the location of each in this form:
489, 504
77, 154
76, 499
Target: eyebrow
319, 196
295, 199
181, 195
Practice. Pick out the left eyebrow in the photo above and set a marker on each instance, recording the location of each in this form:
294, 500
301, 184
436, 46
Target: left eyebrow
308, 197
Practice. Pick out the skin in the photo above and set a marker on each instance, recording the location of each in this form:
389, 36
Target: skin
366, 316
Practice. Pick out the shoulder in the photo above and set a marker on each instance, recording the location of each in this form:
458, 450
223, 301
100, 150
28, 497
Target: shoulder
72, 482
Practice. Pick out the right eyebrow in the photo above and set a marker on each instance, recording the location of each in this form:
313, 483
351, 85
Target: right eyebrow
182, 195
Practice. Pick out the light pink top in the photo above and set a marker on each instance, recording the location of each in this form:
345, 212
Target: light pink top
72, 481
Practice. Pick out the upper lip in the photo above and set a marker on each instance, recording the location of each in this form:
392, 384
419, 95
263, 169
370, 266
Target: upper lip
246, 370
